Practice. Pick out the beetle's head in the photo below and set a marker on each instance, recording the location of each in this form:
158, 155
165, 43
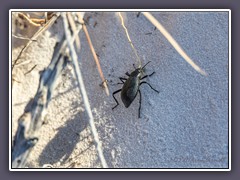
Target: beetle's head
139, 71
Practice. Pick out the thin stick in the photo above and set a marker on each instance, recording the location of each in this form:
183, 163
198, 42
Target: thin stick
83, 91
24, 38
25, 137
129, 40
32, 118
94, 53
30, 70
173, 42
22, 63
74, 28
39, 21
31, 21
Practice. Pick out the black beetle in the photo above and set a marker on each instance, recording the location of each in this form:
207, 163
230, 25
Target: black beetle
131, 87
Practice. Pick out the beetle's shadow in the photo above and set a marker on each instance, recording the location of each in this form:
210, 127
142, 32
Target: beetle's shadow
62, 145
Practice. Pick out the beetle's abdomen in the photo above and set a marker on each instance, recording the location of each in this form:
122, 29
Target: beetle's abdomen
129, 91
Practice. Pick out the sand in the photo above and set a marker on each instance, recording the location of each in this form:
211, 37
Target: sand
184, 126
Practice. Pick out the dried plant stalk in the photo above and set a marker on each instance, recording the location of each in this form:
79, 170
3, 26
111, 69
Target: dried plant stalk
83, 90
129, 39
24, 38
32, 119
104, 82
74, 28
156, 23
34, 22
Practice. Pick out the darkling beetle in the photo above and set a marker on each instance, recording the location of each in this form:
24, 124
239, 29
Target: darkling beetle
131, 87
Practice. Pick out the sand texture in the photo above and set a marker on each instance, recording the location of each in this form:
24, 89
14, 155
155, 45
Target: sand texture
184, 126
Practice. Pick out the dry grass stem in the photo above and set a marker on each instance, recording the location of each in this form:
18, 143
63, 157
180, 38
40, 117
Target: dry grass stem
34, 22
30, 70
80, 18
156, 23
22, 63
129, 40
24, 38
83, 90
74, 29
32, 118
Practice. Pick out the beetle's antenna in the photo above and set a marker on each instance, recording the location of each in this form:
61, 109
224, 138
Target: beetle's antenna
145, 64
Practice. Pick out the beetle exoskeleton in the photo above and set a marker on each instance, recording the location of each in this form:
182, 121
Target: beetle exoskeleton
131, 86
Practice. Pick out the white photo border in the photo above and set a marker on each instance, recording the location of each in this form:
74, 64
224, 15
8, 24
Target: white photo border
119, 10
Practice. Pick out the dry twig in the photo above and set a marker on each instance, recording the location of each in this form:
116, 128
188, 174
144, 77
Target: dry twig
34, 22
83, 90
24, 38
30, 122
94, 53
74, 29
32, 119
173, 42
30, 70
129, 40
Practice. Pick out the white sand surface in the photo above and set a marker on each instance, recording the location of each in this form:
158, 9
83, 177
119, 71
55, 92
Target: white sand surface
184, 126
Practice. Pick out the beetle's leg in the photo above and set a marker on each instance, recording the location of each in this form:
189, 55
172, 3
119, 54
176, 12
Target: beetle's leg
127, 74
115, 98
140, 99
144, 82
121, 79
147, 75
